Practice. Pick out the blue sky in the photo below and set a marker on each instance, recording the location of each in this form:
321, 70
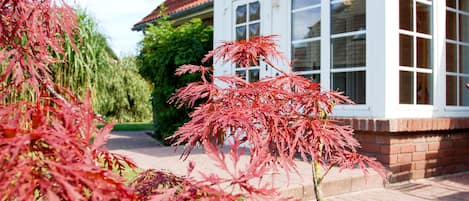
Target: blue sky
116, 18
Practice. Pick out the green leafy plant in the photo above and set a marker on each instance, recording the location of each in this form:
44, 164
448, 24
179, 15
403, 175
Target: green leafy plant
164, 48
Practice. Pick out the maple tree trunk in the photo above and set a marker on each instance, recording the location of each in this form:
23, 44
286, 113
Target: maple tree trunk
317, 181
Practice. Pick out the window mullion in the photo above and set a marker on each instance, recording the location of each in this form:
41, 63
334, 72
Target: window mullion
326, 53
458, 61
414, 30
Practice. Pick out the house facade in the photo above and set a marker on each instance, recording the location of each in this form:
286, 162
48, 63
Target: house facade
394, 59
405, 63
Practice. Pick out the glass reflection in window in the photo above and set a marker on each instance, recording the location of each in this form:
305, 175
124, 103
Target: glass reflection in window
254, 11
349, 52
241, 14
306, 24
352, 84
348, 16
306, 56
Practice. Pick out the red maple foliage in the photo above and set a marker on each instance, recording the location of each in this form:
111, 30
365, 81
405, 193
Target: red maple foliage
161, 185
276, 118
50, 148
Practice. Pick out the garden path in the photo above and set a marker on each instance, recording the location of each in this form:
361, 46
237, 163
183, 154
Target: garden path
345, 186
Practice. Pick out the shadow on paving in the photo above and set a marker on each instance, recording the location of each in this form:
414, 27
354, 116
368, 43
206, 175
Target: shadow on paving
130, 140
462, 196
445, 188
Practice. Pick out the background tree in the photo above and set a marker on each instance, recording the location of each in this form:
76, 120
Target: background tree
164, 48
124, 94
118, 92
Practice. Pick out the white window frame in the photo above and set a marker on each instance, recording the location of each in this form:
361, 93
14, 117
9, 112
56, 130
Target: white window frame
246, 24
325, 72
439, 107
313, 39
458, 44
415, 69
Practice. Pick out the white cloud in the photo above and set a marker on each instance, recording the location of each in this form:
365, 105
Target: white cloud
116, 18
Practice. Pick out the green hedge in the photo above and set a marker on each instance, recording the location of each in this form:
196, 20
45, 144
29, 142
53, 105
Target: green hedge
164, 48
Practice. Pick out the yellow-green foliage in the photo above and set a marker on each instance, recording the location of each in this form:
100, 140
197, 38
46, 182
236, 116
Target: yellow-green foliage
118, 91
125, 95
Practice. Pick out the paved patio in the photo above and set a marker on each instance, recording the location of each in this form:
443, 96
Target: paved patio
446, 188
345, 186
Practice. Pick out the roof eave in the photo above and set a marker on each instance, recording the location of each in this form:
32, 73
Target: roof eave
141, 26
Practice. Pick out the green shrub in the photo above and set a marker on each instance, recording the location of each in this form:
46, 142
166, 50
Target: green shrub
164, 48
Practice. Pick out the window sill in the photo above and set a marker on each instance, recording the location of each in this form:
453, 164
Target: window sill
405, 124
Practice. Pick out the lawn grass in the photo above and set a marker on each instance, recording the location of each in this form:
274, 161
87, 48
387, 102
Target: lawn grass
129, 174
134, 126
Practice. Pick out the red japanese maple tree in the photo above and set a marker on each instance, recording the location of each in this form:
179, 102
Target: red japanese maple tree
276, 117
50, 148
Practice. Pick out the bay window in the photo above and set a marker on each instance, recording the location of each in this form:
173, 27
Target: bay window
457, 52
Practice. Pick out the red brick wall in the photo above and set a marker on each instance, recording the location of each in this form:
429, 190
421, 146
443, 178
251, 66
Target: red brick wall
419, 154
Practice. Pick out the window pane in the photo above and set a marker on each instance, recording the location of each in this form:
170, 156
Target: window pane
451, 25
424, 88
349, 51
406, 52
451, 3
316, 78
306, 56
348, 16
253, 75
464, 59
464, 95
241, 33
303, 3
306, 24
424, 18
451, 90
406, 15
241, 74
464, 5
463, 28
451, 57
254, 11
424, 53
254, 29
353, 84
241, 14
406, 87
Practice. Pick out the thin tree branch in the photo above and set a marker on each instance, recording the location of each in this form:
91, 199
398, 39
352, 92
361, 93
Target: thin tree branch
326, 172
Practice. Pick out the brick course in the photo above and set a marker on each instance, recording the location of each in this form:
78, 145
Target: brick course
405, 125
414, 148
416, 155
